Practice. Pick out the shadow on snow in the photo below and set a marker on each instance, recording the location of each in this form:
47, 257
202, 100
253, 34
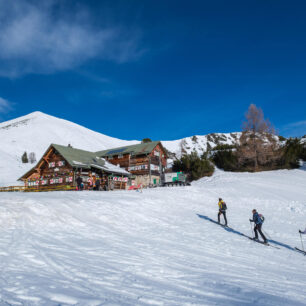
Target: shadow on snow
231, 230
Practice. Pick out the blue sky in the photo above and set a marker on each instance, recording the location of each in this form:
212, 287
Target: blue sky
158, 69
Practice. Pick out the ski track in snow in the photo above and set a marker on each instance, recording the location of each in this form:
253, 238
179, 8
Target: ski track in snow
152, 248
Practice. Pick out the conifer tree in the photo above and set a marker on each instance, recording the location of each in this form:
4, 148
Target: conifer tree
24, 158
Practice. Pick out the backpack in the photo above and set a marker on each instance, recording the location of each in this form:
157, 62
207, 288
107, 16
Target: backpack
224, 207
262, 218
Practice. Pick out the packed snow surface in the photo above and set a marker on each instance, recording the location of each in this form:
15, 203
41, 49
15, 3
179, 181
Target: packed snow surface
156, 247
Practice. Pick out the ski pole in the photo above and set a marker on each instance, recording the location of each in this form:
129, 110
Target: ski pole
251, 228
302, 242
266, 234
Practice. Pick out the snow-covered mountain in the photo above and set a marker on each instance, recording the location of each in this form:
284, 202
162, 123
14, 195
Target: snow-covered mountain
36, 131
157, 247
200, 143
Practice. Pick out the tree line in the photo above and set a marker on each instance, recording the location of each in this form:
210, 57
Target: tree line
257, 149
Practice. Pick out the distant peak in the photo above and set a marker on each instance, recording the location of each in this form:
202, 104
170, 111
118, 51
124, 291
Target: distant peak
38, 114
25, 118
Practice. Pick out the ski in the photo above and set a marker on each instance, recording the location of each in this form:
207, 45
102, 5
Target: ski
261, 242
300, 251
213, 221
231, 230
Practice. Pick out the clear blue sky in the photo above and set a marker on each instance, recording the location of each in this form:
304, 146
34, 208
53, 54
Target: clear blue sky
158, 69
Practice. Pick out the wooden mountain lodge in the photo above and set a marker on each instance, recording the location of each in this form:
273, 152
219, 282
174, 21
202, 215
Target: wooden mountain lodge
116, 168
61, 166
146, 161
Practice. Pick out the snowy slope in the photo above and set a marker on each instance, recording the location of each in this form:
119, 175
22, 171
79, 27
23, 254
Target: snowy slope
35, 132
130, 248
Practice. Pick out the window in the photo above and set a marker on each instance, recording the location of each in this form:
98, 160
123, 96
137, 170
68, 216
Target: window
120, 156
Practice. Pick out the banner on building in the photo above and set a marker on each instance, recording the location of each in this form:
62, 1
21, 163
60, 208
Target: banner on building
154, 167
52, 165
138, 167
120, 179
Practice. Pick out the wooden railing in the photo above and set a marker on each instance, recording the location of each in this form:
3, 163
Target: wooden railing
37, 188
12, 188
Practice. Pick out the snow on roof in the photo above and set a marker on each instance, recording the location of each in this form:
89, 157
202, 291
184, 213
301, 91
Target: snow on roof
112, 168
78, 163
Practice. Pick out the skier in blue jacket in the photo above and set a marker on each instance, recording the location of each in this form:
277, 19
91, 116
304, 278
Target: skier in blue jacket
258, 224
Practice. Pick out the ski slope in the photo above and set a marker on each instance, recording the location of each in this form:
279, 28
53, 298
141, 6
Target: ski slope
155, 247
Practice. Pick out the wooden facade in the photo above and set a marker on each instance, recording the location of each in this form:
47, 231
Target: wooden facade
54, 169
146, 167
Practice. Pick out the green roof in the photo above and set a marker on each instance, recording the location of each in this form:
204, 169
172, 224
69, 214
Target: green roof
138, 149
79, 158
82, 159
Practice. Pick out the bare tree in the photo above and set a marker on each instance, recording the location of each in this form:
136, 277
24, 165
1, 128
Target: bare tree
258, 143
183, 144
32, 158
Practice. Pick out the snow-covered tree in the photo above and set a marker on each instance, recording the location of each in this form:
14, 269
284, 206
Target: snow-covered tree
32, 158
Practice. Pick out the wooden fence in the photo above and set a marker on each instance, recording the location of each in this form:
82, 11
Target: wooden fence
36, 188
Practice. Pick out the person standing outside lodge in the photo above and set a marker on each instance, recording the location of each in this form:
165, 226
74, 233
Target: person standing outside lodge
258, 224
98, 183
222, 211
79, 182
